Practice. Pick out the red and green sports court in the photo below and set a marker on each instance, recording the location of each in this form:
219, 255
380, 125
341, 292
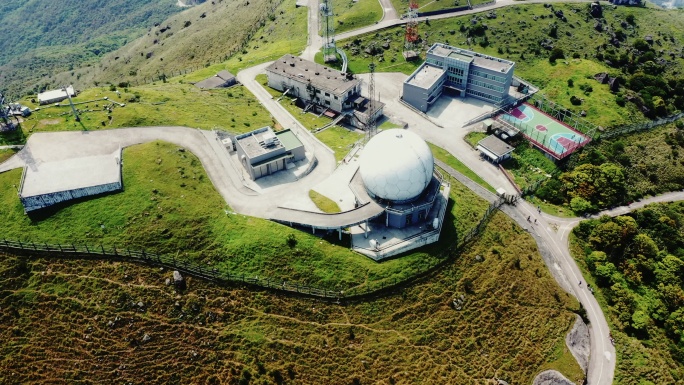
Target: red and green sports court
553, 137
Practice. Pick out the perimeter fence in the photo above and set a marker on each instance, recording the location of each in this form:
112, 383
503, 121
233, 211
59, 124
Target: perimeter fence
194, 269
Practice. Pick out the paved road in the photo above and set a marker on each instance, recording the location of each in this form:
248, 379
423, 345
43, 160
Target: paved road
552, 245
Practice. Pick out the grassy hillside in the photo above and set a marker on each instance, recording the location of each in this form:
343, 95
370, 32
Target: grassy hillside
78, 321
170, 206
161, 104
41, 38
208, 33
636, 261
517, 33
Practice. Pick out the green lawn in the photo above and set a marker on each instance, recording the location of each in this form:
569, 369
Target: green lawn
474, 137
324, 203
350, 14
169, 206
340, 140
457, 165
163, 104
6, 154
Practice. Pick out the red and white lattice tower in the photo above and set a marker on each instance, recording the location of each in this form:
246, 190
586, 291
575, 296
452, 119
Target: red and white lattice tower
411, 44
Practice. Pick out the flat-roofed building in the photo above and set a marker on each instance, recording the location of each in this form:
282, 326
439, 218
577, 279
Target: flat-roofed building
466, 72
495, 149
56, 96
263, 152
424, 86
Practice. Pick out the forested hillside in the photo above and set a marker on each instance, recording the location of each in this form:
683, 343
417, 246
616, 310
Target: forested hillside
42, 37
636, 261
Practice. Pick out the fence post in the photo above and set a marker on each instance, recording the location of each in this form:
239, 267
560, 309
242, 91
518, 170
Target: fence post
60, 247
47, 247
102, 247
87, 249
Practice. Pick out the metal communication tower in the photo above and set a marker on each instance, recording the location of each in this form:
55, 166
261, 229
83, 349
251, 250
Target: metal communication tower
328, 23
371, 121
411, 36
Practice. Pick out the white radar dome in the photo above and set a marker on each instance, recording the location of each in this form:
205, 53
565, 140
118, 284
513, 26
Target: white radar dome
396, 165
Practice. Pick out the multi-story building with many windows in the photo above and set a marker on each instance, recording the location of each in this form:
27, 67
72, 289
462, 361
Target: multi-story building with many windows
465, 72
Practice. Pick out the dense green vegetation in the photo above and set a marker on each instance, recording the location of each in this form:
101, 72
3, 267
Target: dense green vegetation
521, 34
170, 206
620, 170
636, 261
41, 38
80, 321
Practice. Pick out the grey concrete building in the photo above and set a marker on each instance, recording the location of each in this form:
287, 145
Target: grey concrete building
322, 89
495, 149
263, 152
465, 72
220, 80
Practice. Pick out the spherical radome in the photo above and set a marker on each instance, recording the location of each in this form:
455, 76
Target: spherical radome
396, 165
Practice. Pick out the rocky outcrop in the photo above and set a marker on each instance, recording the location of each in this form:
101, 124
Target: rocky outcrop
551, 377
579, 343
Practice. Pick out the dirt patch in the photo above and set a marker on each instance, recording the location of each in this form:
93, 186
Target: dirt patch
579, 344
49, 122
551, 377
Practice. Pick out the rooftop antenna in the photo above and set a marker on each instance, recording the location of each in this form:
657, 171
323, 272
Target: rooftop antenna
411, 36
329, 48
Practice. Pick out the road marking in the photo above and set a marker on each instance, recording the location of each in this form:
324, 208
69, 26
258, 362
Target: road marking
608, 355
557, 266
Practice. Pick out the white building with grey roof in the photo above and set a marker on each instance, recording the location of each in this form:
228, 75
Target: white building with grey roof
465, 72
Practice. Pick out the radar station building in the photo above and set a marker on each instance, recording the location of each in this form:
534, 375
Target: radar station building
397, 168
322, 89
263, 152
464, 72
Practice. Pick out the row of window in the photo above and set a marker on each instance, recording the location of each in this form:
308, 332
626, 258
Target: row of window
455, 79
484, 95
456, 71
485, 85
485, 75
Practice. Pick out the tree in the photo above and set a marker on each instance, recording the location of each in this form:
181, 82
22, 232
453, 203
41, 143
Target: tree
630, 19
640, 320
580, 205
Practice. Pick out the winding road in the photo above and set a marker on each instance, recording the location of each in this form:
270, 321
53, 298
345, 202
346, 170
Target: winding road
551, 233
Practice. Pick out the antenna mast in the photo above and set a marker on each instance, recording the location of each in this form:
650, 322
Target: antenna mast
329, 48
411, 36
371, 123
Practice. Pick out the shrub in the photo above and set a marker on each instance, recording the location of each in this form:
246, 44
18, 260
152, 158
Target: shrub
556, 54
575, 100
571, 83
580, 205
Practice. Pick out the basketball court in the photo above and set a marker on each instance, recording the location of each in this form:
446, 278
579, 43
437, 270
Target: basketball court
556, 138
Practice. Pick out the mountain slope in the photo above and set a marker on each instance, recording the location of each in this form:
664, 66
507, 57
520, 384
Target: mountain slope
192, 38
42, 37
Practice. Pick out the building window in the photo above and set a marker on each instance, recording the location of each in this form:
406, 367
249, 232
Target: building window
336, 97
327, 94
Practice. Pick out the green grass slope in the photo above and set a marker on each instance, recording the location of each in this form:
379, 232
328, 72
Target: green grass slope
204, 34
169, 206
41, 38
516, 33
79, 321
